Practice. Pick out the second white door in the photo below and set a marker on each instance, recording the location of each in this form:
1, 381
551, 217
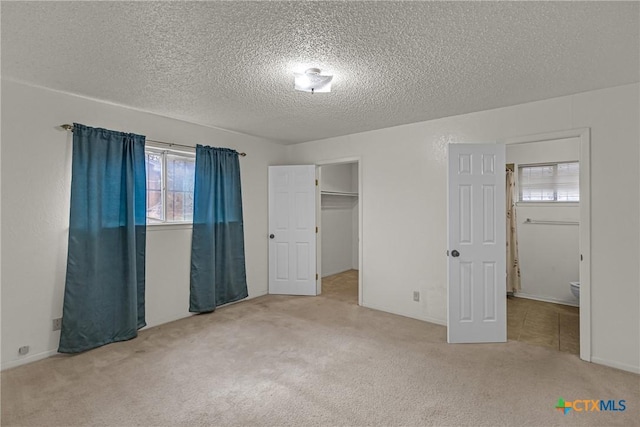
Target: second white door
477, 246
292, 230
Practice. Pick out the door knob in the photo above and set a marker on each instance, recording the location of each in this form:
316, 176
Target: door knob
455, 253
271, 236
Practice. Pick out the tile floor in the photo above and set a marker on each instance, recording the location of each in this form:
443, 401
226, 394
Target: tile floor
544, 324
534, 322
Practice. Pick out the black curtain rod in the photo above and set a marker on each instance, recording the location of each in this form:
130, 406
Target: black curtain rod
170, 144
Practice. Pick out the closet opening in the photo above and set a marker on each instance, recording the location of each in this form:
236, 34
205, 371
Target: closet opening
339, 217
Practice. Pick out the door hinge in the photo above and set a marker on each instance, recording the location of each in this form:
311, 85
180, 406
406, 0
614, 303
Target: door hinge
581, 257
316, 229
316, 182
316, 276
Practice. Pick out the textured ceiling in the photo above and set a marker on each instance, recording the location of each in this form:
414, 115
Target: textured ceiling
230, 64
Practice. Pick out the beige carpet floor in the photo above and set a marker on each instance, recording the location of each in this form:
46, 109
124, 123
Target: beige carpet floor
307, 361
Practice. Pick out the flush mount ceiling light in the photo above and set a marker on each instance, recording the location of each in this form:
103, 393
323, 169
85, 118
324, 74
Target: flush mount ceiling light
312, 81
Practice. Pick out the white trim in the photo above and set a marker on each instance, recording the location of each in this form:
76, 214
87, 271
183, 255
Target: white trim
169, 226
584, 134
49, 353
165, 147
357, 160
28, 359
546, 299
319, 234
617, 365
585, 245
360, 235
441, 322
546, 136
338, 193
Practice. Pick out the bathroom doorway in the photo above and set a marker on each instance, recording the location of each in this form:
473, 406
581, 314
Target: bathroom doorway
551, 199
545, 324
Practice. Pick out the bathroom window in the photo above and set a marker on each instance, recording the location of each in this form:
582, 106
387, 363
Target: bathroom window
551, 182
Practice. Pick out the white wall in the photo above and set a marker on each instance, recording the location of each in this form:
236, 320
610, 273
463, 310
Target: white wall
337, 177
549, 254
337, 242
337, 218
404, 206
36, 172
614, 118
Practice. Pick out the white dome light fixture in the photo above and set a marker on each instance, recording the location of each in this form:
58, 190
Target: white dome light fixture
312, 81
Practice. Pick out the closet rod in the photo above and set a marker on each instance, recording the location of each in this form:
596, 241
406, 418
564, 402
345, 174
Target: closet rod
535, 221
69, 127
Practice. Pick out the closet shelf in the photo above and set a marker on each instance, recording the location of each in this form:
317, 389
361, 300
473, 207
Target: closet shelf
338, 193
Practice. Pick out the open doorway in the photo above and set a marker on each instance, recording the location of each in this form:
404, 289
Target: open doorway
339, 221
547, 305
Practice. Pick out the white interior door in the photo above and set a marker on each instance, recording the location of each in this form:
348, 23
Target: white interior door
292, 230
477, 246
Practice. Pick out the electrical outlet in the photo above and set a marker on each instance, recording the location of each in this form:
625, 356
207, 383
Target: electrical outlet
23, 350
416, 296
57, 324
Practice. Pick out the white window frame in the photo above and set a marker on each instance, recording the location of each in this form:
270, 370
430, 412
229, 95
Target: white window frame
163, 152
518, 170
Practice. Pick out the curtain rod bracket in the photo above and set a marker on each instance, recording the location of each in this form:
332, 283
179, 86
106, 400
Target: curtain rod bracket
69, 127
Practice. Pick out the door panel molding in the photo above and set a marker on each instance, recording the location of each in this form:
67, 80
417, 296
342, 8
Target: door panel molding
292, 230
476, 292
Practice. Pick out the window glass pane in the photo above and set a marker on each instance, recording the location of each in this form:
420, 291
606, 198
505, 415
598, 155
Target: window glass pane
153, 164
170, 201
550, 183
180, 180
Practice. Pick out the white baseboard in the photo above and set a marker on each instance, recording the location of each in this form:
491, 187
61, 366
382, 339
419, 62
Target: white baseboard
545, 299
187, 314
419, 317
43, 355
28, 359
617, 365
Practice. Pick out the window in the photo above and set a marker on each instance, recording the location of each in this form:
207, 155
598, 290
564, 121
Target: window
556, 182
170, 177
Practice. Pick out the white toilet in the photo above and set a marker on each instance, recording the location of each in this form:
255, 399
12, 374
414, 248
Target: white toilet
575, 289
